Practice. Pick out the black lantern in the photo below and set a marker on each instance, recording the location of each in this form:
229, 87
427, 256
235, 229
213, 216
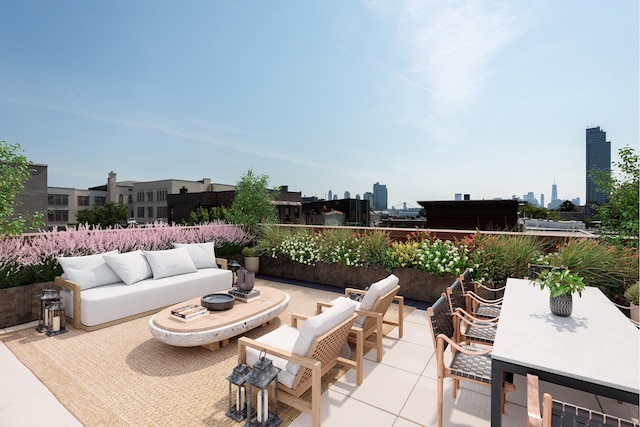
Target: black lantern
234, 266
56, 323
238, 410
46, 297
263, 374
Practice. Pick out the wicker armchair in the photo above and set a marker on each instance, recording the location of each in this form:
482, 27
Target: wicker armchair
302, 369
561, 414
371, 311
468, 363
477, 305
468, 328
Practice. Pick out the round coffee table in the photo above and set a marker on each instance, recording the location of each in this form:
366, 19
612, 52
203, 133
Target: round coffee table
215, 329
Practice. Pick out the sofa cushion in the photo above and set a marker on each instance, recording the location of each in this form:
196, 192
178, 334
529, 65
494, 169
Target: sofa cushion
317, 325
282, 338
88, 271
374, 292
131, 267
203, 255
170, 262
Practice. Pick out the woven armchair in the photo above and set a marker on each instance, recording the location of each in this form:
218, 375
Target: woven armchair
477, 305
467, 364
372, 319
301, 372
562, 414
468, 328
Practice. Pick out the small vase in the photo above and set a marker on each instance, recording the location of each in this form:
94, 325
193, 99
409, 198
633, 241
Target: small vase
562, 305
249, 280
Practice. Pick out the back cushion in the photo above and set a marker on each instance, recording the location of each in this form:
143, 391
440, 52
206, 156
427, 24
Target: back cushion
170, 262
88, 271
375, 291
203, 255
317, 325
131, 267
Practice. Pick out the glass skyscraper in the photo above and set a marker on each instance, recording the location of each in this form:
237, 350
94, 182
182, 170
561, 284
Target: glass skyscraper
379, 197
598, 158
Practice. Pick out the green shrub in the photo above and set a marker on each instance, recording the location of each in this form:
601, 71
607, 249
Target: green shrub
632, 294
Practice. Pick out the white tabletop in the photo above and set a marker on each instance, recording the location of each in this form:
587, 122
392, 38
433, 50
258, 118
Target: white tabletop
597, 343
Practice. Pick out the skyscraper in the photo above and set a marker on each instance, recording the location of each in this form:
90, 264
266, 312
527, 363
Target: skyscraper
598, 158
379, 197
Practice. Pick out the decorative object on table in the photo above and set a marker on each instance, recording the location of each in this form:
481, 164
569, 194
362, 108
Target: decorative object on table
46, 297
56, 323
189, 312
218, 302
245, 296
262, 375
234, 266
562, 285
237, 395
251, 256
249, 281
632, 295
241, 274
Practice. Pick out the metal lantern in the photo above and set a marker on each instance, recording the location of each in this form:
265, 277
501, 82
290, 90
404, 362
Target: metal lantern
56, 323
261, 377
238, 410
46, 297
234, 266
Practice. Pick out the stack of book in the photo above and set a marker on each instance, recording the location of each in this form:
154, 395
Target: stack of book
245, 296
189, 312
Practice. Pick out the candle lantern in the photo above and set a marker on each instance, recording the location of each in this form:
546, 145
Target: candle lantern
46, 297
238, 409
234, 266
56, 323
262, 376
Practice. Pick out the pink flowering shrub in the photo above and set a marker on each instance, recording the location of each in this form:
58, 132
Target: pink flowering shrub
32, 258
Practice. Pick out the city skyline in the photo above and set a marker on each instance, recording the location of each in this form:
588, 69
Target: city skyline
487, 98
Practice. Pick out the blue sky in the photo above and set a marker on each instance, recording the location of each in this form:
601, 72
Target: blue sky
431, 98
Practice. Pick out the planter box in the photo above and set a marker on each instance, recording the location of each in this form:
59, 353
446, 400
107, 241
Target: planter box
20, 304
414, 284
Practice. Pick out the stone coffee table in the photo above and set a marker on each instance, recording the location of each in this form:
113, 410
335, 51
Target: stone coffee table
215, 329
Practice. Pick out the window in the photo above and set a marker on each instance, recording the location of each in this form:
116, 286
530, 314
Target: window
161, 195
83, 200
140, 196
100, 201
149, 211
130, 199
162, 211
121, 199
58, 200
149, 196
141, 212
58, 216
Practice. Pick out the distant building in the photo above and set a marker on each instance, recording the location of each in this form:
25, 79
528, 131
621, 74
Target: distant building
598, 157
542, 200
330, 195
369, 197
337, 212
531, 198
347, 195
555, 202
34, 195
494, 215
379, 197
458, 196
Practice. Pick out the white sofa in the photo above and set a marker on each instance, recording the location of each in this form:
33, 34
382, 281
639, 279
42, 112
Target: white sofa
104, 289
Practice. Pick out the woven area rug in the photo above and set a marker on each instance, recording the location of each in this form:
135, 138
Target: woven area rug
121, 375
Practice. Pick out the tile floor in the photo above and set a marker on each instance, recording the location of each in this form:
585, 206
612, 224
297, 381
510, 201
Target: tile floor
399, 392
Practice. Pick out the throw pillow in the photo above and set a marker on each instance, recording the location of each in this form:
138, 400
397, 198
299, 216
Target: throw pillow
131, 267
203, 255
170, 262
88, 271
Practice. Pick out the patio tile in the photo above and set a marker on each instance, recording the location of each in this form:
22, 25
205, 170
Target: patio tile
338, 410
384, 387
418, 316
401, 422
24, 385
403, 355
415, 333
38, 410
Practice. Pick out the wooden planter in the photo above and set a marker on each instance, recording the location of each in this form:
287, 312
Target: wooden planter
20, 304
414, 284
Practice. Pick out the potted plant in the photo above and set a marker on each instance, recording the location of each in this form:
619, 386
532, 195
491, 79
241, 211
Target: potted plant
562, 285
251, 256
632, 294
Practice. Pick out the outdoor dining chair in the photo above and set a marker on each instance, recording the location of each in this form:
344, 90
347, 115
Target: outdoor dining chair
476, 304
468, 363
562, 414
468, 328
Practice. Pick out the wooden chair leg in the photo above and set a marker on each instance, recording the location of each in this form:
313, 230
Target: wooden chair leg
440, 400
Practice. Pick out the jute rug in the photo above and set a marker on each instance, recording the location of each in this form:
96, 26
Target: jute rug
121, 375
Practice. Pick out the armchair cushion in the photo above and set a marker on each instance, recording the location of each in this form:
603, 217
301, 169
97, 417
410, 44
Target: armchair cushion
375, 291
283, 338
88, 271
131, 267
203, 255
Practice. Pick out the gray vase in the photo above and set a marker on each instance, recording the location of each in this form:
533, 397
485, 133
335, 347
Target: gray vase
249, 281
561, 306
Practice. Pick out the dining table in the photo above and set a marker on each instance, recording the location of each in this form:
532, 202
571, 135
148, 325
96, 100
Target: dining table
595, 349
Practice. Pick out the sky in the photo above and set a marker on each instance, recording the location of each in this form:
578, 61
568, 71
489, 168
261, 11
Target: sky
430, 98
